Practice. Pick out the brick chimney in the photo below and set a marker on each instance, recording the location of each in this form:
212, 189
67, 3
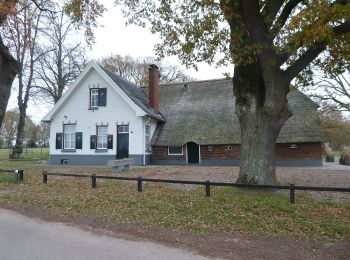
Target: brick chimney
154, 87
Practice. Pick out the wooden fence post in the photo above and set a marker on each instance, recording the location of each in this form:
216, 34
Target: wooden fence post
207, 188
21, 178
44, 177
93, 181
292, 194
139, 184
16, 175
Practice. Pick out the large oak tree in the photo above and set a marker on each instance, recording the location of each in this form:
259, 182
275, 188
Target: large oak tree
269, 41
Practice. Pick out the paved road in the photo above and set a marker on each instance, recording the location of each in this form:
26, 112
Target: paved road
25, 238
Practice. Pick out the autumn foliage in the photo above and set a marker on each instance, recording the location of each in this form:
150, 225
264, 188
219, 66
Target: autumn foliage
337, 129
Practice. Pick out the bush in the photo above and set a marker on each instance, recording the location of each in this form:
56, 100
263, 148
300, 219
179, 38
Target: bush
345, 155
328, 152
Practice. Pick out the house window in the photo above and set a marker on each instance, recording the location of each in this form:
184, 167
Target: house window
102, 136
147, 137
69, 136
123, 129
98, 97
94, 97
175, 150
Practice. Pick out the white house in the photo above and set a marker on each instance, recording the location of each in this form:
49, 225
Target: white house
102, 117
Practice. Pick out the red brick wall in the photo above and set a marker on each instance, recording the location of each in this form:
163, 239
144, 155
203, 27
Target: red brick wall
304, 151
219, 152
161, 153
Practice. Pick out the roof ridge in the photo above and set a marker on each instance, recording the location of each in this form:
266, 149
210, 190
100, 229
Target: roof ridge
189, 82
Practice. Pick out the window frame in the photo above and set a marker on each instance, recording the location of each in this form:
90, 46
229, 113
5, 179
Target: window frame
96, 93
177, 146
104, 135
71, 140
123, 129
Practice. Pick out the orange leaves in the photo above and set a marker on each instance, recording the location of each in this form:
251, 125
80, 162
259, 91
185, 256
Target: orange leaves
6, 9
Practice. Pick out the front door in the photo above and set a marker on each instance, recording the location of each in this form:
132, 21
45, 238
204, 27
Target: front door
123, 142
192, 153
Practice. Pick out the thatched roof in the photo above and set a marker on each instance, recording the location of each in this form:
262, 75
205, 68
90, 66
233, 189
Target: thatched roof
205, 114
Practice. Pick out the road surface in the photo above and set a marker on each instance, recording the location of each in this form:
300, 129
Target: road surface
25, 238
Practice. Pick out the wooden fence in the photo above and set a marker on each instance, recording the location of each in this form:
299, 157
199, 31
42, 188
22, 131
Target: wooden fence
18, 174
208, 184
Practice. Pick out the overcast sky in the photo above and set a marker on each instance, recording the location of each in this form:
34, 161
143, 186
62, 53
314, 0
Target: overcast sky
116, 38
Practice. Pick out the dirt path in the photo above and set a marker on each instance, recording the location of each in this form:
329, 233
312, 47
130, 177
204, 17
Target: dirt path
234, 246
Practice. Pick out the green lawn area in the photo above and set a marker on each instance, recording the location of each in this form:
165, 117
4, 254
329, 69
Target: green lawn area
167, 206
7, 178
28, 153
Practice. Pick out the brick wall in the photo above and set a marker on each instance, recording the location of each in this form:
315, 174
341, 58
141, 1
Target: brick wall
219, 152
161, 153
303, 151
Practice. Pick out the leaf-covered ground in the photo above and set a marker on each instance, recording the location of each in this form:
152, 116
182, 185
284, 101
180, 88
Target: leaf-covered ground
227, 211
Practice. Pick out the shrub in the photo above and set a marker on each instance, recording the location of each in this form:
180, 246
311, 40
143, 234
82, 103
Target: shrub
345, 155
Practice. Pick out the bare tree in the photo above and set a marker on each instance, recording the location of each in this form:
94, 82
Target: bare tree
44, 134
331, 89
136, 69
63, 59
83, 12
21, 32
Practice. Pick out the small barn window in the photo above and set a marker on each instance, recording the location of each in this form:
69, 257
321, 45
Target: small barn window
175, 150
210, 148
228, 147
293, 146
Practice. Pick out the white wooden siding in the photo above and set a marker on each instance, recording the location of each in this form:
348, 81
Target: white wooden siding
117, 111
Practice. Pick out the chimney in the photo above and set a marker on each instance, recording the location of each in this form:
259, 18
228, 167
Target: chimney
154, 87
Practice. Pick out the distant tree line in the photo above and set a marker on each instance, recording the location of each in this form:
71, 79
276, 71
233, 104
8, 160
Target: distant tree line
35, 135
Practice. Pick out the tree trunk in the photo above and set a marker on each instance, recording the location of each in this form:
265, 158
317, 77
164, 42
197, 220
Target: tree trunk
20, 132
260, 120
8, 71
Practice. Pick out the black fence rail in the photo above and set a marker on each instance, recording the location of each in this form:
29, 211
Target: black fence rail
18, 174
208, 184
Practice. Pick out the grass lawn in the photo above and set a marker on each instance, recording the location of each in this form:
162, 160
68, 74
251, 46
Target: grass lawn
28, 153
167, 206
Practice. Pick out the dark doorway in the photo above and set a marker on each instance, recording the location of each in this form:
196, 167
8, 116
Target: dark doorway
123, 142
193, 153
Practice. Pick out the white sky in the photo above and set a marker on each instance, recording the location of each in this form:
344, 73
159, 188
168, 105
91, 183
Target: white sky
116, 38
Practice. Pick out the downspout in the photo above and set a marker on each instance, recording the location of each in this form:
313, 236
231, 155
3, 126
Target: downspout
144, 141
